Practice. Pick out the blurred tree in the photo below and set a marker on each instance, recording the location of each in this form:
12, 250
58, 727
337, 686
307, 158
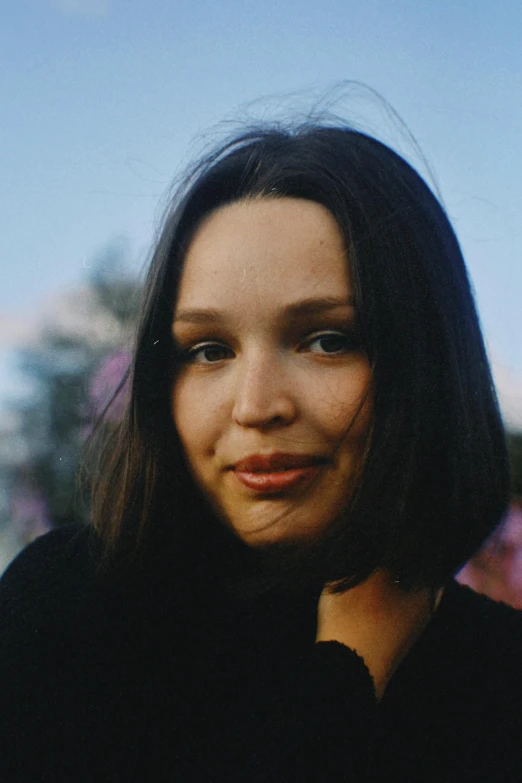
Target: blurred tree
74, 368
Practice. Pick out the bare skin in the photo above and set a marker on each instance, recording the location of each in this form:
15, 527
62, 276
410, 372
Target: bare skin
378, 620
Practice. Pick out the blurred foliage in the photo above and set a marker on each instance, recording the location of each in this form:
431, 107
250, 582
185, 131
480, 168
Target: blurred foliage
89, 325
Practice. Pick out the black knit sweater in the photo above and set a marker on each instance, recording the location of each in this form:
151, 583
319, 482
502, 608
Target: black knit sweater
160, 679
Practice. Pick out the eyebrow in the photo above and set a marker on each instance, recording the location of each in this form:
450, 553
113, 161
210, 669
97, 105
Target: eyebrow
303, 308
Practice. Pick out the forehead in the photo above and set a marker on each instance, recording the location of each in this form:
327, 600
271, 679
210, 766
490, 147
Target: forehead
264, 251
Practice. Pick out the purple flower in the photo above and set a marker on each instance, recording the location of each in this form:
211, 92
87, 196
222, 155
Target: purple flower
30, 514
496, 569
104, 384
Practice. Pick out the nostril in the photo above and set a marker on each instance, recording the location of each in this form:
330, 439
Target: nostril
263, 409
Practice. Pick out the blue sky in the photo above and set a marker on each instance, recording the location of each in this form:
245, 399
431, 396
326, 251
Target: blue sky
101, 100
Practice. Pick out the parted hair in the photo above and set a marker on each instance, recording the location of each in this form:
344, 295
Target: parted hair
434, 482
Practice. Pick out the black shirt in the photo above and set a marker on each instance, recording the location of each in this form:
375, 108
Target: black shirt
158, 679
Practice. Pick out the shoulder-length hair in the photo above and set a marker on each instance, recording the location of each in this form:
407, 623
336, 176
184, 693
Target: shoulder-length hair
434, 482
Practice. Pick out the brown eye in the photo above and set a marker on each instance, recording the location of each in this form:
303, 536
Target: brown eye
330, 343
208, 353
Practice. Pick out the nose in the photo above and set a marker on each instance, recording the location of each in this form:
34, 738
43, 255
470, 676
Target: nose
264, 394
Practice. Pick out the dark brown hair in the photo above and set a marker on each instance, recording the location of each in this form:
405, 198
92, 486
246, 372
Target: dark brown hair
435, 480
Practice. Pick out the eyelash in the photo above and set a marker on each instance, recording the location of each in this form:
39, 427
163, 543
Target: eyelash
347, 338
189, 356
350, 340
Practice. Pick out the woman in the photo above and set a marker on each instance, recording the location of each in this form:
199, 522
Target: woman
312, 447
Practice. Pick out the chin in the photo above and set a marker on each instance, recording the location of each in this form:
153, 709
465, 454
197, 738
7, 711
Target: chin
278, 536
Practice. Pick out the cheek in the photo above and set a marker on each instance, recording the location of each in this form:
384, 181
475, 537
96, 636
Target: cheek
345, 405
197, 416
185, 415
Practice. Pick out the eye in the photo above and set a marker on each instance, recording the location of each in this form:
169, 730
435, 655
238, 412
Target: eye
207, 353
335, 343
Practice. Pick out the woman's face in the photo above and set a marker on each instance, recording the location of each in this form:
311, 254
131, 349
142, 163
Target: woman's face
272, 400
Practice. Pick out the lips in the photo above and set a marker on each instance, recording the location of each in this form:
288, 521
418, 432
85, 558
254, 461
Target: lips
275, 473
274, 463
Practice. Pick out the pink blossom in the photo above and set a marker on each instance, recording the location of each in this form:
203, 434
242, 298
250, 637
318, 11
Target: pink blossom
496, 569
104, 383
30, 514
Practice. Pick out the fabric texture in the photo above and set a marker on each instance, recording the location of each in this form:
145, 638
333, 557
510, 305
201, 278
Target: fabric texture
160, 679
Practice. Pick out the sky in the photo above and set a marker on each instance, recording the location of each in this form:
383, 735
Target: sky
104, 101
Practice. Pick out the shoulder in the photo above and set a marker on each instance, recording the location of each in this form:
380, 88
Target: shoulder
458, 694
47, 577
455, 703
481, 642
468, 621
58, 553
473, 645
57, 656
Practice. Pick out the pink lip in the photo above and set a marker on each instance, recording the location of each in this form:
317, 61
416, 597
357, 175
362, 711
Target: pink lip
272, 473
